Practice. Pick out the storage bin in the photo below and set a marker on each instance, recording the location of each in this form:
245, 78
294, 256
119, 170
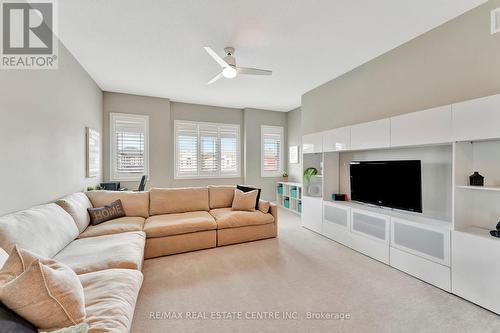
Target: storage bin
286, 203
279, 189
293, 192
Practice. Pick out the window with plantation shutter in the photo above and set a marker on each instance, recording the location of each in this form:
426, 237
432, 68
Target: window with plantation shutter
271, 151
129, 146
206, 150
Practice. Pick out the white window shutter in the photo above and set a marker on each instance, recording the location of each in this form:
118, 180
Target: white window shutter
272, 151
129, 146
206, 150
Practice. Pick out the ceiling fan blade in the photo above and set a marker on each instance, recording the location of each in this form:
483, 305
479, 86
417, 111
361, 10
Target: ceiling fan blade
216, 57
253, 71
219, 76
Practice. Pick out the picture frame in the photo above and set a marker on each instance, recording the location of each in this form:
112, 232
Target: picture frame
93, 152
293, 154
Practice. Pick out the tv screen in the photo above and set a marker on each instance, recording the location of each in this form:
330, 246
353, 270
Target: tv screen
394, 184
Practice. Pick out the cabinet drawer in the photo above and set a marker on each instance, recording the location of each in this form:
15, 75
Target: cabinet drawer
372, 225
336, 214
423, 241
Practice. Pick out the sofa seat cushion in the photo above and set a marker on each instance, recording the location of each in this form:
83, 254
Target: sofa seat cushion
44, 230
176, 224
116, 226
228, 218
124, 250
110, 298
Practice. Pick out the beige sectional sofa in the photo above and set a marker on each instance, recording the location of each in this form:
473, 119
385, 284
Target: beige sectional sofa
108, 257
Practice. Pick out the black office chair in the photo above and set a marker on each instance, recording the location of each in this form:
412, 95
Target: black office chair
142, 184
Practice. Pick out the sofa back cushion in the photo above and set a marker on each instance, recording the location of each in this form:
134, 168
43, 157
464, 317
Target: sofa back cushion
44, 230
221, 196
178, 200
135, 204
76, 205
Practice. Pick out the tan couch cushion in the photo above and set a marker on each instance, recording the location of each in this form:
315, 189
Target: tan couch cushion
124, 250
176, 224
110, 298
264, 206
227, 218
44, 230
48, 294
134, 203
178, 200
76, 205
245, 201
221, 196
123, 224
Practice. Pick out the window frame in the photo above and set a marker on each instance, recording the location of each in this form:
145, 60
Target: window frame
124, 176
267, 129
199, 175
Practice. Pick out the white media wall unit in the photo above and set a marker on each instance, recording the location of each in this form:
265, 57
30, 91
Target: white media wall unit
448, 245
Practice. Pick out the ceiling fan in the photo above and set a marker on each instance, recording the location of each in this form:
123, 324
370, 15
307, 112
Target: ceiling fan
229, 68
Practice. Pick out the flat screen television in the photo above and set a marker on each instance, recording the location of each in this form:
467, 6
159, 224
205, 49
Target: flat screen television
393, 184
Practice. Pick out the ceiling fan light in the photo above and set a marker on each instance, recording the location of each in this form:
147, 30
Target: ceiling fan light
229, 72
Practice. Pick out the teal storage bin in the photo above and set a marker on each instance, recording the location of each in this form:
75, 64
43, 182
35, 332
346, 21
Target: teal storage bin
286, 203
293, 192
279, 189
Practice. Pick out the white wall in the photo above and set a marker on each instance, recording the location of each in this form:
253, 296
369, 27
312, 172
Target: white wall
436, 174
294, 138
43, 115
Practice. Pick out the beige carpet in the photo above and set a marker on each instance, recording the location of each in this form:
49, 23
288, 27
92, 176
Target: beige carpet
297, 273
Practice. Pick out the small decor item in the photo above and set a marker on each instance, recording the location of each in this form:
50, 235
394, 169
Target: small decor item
106, 213
309, 173
339, 197
293, 154
93, 152
285, 176
476, 179
496, 233
314, 189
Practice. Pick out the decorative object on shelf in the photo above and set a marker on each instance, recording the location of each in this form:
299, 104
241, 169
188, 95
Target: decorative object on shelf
285, 176
309, 173
496, 233
293, 154
93, 152
339, 197
476, 179
314, 189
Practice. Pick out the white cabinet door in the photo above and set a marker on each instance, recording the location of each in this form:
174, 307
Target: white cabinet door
312, 143
422, 240
375, 134
475, 269
424, 127
477, 119
337, 139
336, 222
312, 217
372, 225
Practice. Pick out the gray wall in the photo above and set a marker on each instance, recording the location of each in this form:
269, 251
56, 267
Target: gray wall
457, 61
43, 115
158, 110
214, 114
253, 119
294, 138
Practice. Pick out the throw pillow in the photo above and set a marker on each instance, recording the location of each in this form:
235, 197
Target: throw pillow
48, 294
248, 189
17, 262
264, 206
109, 212
244, 201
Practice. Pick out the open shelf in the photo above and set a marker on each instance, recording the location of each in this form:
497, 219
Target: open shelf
479, 188
289, 196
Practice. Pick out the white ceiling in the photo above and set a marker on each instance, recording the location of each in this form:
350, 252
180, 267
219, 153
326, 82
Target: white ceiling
154, 48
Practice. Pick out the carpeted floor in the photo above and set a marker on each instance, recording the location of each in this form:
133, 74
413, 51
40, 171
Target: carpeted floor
297, 274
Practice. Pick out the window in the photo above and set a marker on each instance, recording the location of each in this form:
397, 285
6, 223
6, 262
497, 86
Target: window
206, 150
129, 146
272, 151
